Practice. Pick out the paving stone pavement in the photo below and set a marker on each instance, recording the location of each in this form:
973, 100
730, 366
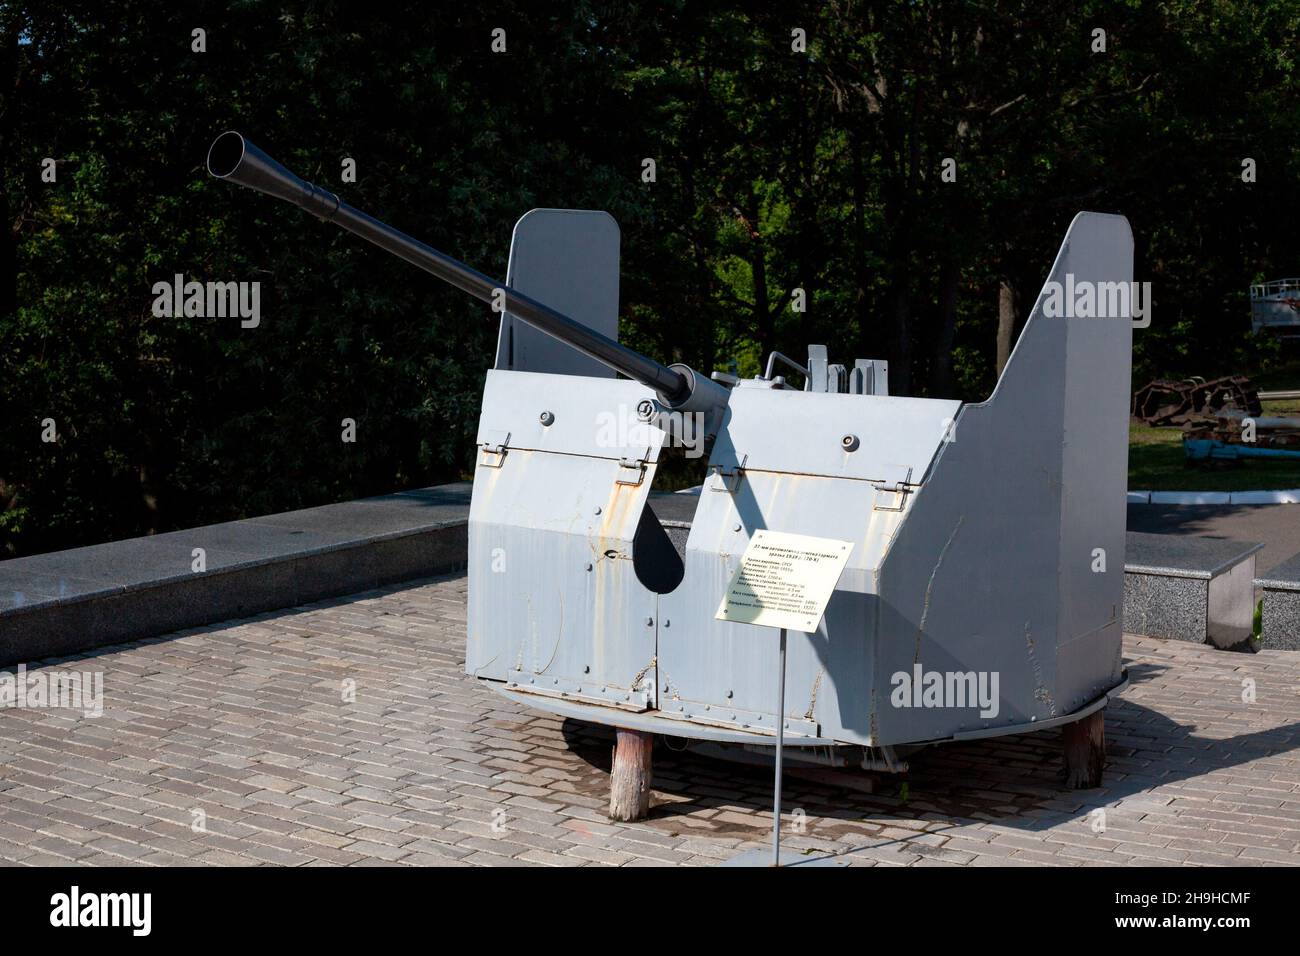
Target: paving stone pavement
244, 727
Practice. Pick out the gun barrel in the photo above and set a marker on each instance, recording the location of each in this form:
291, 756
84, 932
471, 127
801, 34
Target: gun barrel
233, 158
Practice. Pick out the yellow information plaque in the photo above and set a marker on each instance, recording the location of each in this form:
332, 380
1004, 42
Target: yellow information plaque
784, 580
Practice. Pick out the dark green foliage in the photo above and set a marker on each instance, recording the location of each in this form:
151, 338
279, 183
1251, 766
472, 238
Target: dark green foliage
775, 170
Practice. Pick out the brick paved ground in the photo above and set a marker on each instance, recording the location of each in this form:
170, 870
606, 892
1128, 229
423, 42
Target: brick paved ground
245, 722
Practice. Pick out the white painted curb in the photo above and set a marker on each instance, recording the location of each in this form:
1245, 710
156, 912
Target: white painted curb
1289, 496
1191, 498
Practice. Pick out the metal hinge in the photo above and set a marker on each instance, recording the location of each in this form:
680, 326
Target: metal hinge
631, 471
632, 468
492, 450
727, 479
892, 489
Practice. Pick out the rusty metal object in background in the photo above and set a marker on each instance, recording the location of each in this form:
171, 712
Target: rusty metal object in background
1248, 431
1175, 403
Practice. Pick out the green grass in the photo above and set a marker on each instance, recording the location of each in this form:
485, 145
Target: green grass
1156, 462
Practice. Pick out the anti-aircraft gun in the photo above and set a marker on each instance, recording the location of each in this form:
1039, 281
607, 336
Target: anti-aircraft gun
984, 590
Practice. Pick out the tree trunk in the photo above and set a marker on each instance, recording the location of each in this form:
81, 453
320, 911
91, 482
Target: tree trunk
942, 384
868, 334
764, 320
900, 367
629, 777
1006, 323
1084, 747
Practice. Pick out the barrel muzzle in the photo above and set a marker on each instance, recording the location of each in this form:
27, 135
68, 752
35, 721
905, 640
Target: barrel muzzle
235, 159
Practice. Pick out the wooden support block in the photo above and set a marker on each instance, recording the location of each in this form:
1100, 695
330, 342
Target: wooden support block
1084, 748
629, 777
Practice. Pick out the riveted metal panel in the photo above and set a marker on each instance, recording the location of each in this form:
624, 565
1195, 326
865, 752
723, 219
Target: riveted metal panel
589, 416
1093, 436
802, 433
555, 604
992, 571
725, 671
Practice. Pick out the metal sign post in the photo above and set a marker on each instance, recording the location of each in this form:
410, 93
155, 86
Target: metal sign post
780, 745
783, 581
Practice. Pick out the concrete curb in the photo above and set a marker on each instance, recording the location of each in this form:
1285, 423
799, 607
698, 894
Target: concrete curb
73, 601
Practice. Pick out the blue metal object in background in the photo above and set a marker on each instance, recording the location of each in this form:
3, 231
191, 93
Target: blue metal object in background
1206, 449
